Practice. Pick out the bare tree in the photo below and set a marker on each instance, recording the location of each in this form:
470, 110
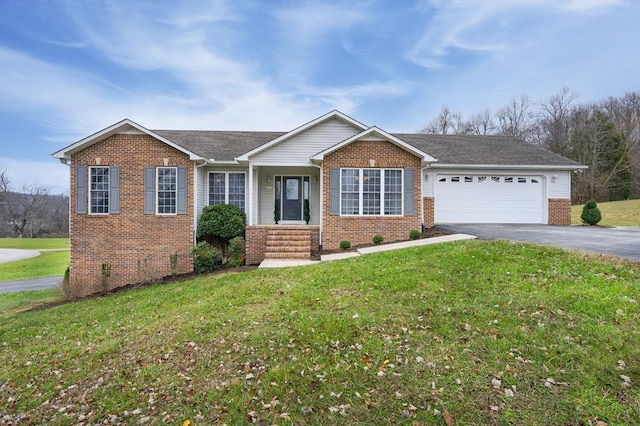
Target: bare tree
514, 119
23, 213
554, 124
447, 122
482, 123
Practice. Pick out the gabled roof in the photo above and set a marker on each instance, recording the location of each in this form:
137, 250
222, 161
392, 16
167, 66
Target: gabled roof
119, 127
440, 150
335, 114
219, 145
376, 133
485, 150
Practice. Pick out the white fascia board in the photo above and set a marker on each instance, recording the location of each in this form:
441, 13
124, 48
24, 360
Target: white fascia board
225, 162
332, 114
267, 164
65, 153
504, 166
378, 134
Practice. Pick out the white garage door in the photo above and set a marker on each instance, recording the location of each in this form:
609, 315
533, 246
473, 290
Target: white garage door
488, 199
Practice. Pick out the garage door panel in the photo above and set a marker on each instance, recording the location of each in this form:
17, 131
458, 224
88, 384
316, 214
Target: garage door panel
488, 199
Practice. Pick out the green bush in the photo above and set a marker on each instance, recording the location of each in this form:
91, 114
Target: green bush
219, 224
377, 239
206, 257
345, 245
236, 252
591, 213
415, 234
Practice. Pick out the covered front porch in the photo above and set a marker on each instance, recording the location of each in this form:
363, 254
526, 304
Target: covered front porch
284, 196
283, 220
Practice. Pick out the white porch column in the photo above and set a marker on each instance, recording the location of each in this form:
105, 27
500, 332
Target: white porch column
250, 200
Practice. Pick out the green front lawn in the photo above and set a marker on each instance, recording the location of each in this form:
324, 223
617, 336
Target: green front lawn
476, 332
34, 243
47, 264
614, 213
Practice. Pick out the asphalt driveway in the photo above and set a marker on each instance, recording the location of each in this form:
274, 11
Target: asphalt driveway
621, 242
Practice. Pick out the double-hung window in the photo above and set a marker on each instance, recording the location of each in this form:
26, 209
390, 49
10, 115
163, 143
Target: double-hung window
99, 190
227, 188
167, 181
371, 192
165, 190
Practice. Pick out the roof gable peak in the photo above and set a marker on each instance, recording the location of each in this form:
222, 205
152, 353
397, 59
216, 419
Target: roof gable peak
123, 126
334, 114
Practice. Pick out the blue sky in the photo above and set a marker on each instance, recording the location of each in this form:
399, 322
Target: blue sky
73, 67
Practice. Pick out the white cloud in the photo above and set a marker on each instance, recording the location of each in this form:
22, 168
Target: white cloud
308, 23
481, 27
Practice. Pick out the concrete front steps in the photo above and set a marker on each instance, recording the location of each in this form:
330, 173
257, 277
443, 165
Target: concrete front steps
288, 244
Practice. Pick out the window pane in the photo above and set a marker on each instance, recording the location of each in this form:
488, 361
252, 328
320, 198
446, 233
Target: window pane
350, 191
291, 189
371, 191
167, 190
236, 189
216, 188
393, 192
99, 181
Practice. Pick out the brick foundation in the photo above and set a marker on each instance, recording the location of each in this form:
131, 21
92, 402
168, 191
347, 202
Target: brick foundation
559, 211
136, 246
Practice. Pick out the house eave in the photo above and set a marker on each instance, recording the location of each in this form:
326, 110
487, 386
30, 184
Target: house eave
506, 166
374, 133
66, 152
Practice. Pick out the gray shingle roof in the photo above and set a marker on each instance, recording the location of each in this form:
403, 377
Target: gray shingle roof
473, 149
219, 145
448, 149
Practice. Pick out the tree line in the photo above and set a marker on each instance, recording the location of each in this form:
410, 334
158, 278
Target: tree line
603, 135
31, 212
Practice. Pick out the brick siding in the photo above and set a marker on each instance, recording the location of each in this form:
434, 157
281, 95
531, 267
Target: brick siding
137, 246
559, 211
428, 206
361, 229
256, 244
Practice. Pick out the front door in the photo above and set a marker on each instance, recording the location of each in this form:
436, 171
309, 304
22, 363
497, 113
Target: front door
292, 198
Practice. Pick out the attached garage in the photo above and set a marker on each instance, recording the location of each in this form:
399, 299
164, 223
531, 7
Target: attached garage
486, 198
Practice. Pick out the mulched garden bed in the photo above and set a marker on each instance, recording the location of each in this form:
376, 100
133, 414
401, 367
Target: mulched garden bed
428, 233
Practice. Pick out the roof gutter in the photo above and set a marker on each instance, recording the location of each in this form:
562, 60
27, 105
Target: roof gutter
503, 166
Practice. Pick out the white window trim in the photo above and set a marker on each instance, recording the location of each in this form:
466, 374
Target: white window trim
89, 191
382, 193
226, 186
175, 213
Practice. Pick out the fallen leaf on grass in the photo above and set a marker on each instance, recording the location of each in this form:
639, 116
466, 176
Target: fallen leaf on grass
448, 418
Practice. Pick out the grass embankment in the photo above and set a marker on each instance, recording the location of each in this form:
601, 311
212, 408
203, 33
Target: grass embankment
483, 332
614, 213
47, 264
34, 243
